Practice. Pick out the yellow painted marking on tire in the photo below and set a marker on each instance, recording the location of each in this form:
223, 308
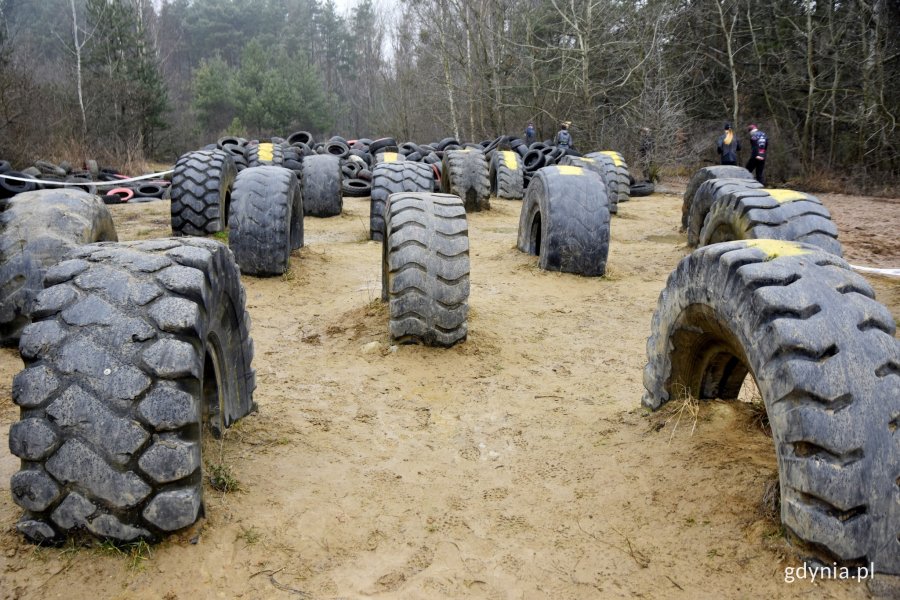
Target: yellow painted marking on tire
265, 152
776, 248
570, 170
615, 156
785, 196
390, 157
509, 158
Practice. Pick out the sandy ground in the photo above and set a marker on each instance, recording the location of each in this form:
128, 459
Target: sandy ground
517, 465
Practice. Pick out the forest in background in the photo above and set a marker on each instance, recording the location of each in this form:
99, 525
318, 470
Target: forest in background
130, 80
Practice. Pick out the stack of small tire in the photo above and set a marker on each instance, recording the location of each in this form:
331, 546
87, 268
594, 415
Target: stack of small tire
824, 358
46, 175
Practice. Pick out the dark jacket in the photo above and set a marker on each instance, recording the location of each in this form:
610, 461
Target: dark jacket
759, 144
530, 135
728, 150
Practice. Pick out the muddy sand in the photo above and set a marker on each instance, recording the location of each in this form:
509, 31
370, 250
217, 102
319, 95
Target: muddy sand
516, 465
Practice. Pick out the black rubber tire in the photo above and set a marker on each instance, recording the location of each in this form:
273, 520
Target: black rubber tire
133, 345
703, 199
442, 145
642, 189
770, 214
92, 167
465, 173
356, 188
507, 175
48, 168
5, 166
408, 148
703, 175
425, 268
618, 180
321, 186
301, 137
229, 140
393, 178
87, 186
201, 192
337, 148
350, 168
533, 160
11, 187
149, 190
602, 169
266, 220
36, 230
265, 153
383, 145
824, 358
565, 221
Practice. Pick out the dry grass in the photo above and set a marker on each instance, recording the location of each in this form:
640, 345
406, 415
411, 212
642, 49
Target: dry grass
683, 407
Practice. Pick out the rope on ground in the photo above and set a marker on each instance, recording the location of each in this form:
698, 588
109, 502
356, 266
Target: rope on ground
873, 270
117, 182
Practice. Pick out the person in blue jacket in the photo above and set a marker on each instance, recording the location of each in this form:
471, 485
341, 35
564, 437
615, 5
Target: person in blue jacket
530, 134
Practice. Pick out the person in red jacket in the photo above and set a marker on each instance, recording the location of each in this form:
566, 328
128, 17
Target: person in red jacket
759, 146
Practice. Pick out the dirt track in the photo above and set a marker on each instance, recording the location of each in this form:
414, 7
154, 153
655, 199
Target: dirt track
516, 465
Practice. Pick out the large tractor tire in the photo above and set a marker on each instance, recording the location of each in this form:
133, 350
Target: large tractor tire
565, 221
321, 186
703, 175
465, 173
706, 195
265, 154
425, 268
824, 358
36, 230
617, 177
507, 175
134, 347
391, 178
605, 170
201, 191
770, 214
266, 220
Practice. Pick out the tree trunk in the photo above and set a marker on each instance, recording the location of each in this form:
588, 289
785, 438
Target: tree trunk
78, 82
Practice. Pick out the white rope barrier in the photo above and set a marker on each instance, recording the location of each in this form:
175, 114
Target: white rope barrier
115, 183
873, 270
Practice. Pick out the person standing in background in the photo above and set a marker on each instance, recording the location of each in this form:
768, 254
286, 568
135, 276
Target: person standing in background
530, 134
645, 153
728, 145
563, 138
759, 145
